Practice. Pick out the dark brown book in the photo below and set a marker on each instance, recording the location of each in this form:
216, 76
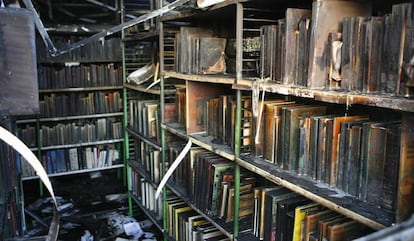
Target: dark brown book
283, 208
340, 231
280, 46
374, 37
259, 128
268, 34
272, 122
401, 46
290, 132
326, 18
333, 161
292, 47
311, 221
325, 222
211, 59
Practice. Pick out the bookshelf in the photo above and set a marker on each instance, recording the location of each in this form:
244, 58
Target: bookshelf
280, 77
79, 126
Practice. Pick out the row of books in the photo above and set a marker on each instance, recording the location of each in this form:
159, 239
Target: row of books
283, 215
149, 158
208, 181
99, 50
186, 224
216, 116
144, 191
350, 152
276, 213
144, 117
199, 51
73, 133
76, 75
73, 159
76, 103
363, 57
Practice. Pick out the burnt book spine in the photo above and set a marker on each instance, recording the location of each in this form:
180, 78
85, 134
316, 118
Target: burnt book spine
391, 165
374, 29
405, 196
292, 47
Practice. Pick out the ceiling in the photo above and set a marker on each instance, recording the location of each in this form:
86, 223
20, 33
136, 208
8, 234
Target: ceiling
89, 12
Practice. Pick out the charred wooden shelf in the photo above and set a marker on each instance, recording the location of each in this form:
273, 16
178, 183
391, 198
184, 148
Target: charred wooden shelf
201, 139
149, 213
337, 97
154, 90
218, 79
141, 36
150, 141
199, 13
334, 199
138, 167
210, 143
176, 129
222, 225
86, 170
81, 89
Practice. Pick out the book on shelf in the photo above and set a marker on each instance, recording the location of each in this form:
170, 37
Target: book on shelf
284, 223
300, 214
268, 35
272, 128
325, 222
272, 198
290, 133
326, 18
183, 223
349, 155
293, 47
333, 160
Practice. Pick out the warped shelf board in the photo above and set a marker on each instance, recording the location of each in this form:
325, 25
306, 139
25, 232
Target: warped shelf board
80, 89
222, 225
77, 172
196, 12
63, 118
140, 36
151, 215
176, 129
336, 97
149, 141
138, 167
78, 144
155, 90
218, 79
208, 142
334, 199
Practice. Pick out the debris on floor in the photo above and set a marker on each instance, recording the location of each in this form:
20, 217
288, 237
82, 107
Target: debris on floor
97, 213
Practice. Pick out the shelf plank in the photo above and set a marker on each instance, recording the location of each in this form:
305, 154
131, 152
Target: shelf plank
226, 228
149, 141
334, 199
335, 97
116, 166
208, 143
218, 79
196, 11
155, 90
138, 167
64, 118
79, 144
151, 215
81, 89
176, 129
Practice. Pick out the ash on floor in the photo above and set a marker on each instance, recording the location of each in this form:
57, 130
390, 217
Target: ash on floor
92, 207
